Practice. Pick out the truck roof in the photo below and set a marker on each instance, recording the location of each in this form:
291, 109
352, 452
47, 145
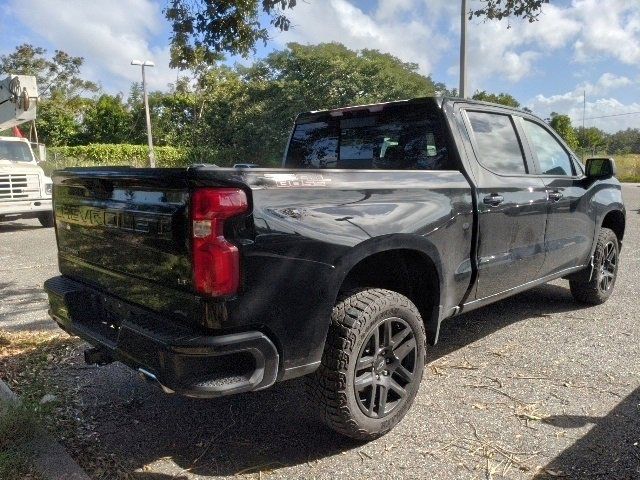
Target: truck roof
374, 107
13, 139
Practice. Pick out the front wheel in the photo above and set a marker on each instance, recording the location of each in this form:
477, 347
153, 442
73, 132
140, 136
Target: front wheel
605, 271
372, 363
46, 219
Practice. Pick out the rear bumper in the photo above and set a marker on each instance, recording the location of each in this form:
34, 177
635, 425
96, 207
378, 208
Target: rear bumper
179, 358
25, 207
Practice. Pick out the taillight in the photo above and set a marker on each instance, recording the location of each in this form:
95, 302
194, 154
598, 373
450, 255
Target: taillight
216, 262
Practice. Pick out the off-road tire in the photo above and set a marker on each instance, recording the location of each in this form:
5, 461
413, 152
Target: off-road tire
592, 292
46, 219
354, 320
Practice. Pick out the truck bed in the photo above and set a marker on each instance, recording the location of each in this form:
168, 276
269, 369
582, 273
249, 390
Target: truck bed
126, 232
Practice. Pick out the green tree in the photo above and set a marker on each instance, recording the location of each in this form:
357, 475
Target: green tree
625, 141
562, 125
591, 140
499, 9
501, 98
246, 113
58, 122
203, 30
107, 120
61, 88
58, 75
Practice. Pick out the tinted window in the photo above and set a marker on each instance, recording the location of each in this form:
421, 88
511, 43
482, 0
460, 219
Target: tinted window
553, 159
314, 145
406, 137
497, 143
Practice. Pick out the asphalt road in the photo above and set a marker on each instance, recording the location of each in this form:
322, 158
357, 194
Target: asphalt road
535, 386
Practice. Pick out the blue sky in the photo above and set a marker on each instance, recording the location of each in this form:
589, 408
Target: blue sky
576, 45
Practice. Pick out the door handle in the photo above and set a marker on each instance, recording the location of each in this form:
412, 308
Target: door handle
494, 199
554, 196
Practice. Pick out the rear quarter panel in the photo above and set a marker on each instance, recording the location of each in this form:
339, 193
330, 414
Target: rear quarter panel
310, 228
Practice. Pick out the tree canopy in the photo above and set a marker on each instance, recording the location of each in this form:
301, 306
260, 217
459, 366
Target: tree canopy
501, 98
226, 114
562, 125
499, 9
56, 75
204, 30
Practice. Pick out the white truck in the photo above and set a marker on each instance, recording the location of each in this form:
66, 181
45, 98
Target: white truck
25, 191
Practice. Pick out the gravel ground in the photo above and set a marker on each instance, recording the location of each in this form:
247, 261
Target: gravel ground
535, 386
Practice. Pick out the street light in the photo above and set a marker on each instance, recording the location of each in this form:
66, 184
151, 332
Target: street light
463, 50
147, 63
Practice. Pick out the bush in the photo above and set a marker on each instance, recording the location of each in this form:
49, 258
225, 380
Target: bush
113, 154
125, 155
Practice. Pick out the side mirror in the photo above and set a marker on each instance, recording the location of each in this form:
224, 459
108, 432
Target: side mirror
600, 167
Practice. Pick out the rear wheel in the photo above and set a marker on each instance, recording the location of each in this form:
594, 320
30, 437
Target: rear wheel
605, 270
372, 364
46, 219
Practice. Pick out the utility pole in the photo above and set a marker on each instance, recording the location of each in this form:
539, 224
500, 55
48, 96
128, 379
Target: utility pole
463, 50
584, 111
584, 107
147, 63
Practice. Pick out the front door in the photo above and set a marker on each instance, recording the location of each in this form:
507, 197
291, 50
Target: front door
512, 205
570, 225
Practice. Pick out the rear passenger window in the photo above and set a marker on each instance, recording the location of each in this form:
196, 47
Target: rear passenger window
552, 157
498, 146
401, 137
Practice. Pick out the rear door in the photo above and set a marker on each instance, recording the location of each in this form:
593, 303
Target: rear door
512, 202
570, 226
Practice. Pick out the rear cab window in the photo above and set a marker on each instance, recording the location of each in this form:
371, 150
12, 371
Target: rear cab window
398, 137
496, 141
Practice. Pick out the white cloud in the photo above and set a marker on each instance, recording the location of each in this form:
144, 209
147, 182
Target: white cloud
610, 29
389, 28
107, 34
606, 83
571, 103
512, 53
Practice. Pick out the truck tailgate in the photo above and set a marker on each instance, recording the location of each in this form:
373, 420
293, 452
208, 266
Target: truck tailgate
126, 231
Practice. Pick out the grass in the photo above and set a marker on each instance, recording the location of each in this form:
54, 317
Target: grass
24, 358
18, 422
628, 167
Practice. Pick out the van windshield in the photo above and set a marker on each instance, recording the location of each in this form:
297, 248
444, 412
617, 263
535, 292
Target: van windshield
15, 151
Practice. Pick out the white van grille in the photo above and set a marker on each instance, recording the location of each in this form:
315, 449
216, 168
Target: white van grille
19, 186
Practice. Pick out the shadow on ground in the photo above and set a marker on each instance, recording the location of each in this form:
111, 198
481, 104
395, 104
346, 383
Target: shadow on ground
611, 449
29, 303
259, 431
16, 227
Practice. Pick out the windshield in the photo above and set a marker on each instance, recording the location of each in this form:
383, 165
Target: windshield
15, 151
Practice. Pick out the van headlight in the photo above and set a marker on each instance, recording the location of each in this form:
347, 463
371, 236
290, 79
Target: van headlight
48, 188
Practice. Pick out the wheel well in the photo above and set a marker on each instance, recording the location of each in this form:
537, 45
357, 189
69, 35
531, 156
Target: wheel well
615, 221
409, 272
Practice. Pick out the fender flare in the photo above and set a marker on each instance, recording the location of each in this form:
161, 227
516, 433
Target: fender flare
386, 243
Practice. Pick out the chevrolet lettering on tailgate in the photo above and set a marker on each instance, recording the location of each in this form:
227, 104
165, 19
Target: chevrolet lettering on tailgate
130, 221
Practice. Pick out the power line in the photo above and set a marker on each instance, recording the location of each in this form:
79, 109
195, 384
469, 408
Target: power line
615, 115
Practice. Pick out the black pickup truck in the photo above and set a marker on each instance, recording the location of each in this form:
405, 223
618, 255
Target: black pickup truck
383, 221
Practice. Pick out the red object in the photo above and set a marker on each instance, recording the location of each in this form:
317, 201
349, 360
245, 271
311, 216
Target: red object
17, 132
216, 261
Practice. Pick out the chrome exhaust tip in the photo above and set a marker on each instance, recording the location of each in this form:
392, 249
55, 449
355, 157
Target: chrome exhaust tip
151, 378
